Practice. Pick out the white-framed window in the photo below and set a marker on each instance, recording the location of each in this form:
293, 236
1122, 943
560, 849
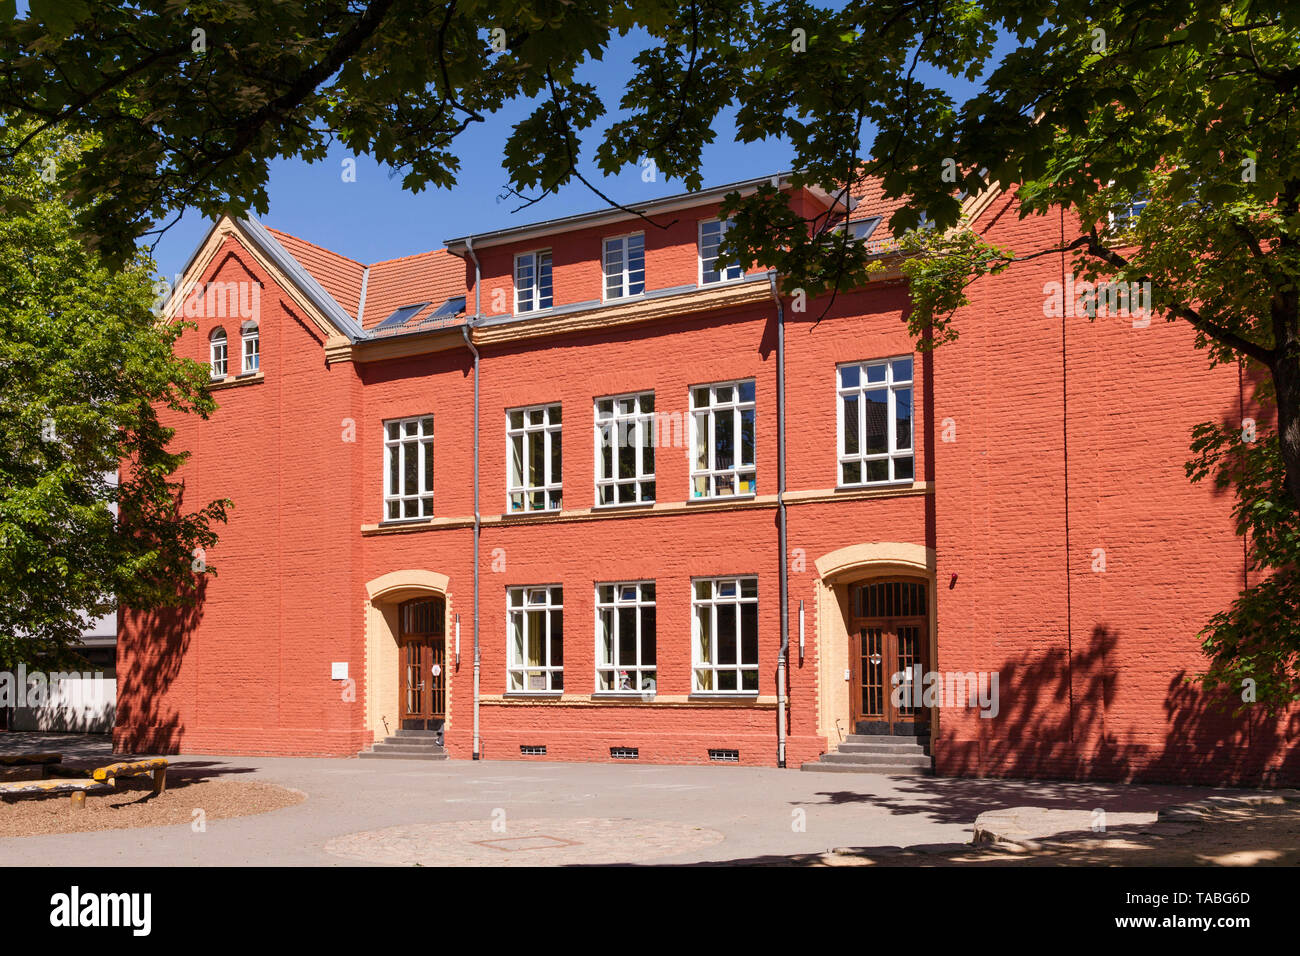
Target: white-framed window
625, 266
625, 450
533, 281
1125, 215
217, 352
725, 639
536, 625
625, 638
875, 421
711, 233
533, 449
408, 468
722, 439
252, 349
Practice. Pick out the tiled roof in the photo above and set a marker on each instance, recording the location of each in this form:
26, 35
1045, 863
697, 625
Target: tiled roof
432, 277
870, 201
338, 275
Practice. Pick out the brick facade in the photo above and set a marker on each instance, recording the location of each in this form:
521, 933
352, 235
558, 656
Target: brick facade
1062, 438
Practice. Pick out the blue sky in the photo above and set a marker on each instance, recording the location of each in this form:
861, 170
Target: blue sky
374, 218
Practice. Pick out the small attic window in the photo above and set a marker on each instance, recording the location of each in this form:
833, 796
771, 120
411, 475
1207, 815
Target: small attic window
861, 229
401, 316
453, 306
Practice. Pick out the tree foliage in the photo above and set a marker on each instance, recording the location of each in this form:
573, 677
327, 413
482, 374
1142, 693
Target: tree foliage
84, 368
1082, 105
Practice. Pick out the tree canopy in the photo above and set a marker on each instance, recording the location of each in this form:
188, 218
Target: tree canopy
1187, 106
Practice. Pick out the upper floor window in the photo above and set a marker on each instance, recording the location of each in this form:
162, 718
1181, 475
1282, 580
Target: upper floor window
1125, 215
533, 281
408, 468
875, 422
252, 350
625, 638
725, 645
625, 266
711, 234
536, 647
533, 447
722, 436
217, 352
625, 451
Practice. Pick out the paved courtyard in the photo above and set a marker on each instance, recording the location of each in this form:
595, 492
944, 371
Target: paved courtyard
400, 812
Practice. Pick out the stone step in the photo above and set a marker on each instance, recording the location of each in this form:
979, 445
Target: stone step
416, 734
818, 767
875, 760
875, 748
887, 740
397, 746
373, 755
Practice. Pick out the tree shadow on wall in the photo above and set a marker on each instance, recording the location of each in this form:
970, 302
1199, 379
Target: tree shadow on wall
1054, 706
151, 651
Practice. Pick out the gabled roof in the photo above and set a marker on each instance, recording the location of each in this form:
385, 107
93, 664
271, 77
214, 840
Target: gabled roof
338, 275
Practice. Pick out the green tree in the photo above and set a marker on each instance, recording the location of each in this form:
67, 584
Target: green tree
1085, 105
85, 365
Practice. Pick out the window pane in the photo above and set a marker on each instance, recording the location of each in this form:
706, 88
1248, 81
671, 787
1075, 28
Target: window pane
875, 373
876, 403
555, 457
849, 376
747, 436
902, 370
903, 468
648, 649
749, 633
851, 413
746, 390
903, 418
724, 440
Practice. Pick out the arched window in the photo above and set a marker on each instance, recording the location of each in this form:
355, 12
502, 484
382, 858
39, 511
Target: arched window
217, 352
252, 350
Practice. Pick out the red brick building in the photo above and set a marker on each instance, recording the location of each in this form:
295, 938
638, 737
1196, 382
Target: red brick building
665, 450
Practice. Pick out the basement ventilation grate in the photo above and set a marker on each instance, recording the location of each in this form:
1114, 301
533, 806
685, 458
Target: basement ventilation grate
625, 753
534, 751
724, 756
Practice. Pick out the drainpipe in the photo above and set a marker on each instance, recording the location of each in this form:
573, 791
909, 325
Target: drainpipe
783, 656
478, 520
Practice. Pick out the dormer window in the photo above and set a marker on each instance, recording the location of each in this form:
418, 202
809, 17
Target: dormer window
252, 350
533, 281
217, 353
711, 270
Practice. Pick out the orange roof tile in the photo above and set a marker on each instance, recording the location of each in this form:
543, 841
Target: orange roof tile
338, 275
432, 277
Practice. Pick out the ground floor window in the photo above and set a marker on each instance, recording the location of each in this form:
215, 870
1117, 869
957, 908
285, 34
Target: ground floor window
536, 648
725, 644
625, 638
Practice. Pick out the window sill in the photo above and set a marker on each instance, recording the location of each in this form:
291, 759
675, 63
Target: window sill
233, 381
748, 496
705, 695
647, 696
867, 486
394, 522
623, 506
547, 694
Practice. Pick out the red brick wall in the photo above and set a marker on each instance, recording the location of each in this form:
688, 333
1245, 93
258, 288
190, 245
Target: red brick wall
1091, 664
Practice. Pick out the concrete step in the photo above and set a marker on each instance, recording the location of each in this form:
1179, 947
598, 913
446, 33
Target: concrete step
875, 760
818, 767
373, 755
416, 734
875, 748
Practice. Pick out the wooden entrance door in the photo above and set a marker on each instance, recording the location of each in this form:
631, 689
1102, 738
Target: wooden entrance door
422, 681
889, 641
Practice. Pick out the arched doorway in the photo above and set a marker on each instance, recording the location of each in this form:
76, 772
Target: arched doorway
889, 651
422, 672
